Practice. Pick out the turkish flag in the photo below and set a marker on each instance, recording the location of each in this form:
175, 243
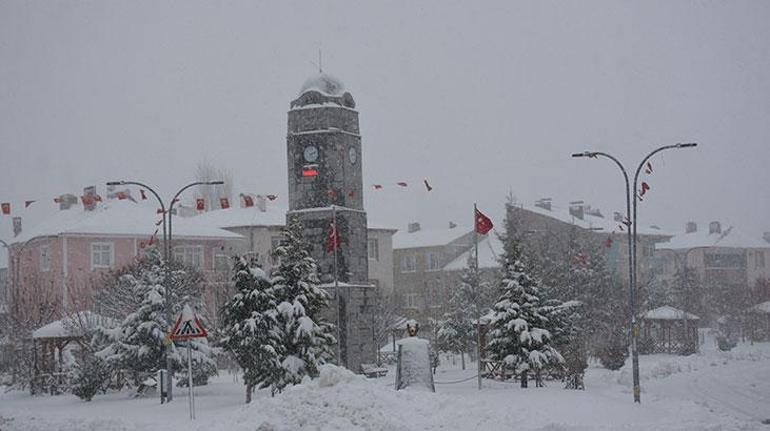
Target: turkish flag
6, 206
122, 195
88, 200
608, 242
333, 241
224, 203
248, 201
143, 194
645, 189
483, 223
200, 204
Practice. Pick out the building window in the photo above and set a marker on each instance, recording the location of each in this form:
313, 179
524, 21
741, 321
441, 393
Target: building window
412, 300
374, 249
190, 255
432, 261
724, 261
759, 259
408, 263
45, 258
221, 263
102, 255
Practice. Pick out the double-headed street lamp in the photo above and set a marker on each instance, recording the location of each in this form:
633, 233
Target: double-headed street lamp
631, 223
166, 255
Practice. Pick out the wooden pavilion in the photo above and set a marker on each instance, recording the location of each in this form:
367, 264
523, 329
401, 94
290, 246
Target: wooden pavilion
52, 340
668, 330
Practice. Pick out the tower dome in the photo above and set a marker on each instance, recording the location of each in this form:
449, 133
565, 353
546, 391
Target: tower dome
324, 84
323, 88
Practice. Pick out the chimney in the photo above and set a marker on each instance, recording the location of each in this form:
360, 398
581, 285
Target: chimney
261, 203
715, 227
618, 217
690, 227
576, 209
89, 198
596, 212
544, 203
66, 201
16, 226
452, 225
413, 227
766, 236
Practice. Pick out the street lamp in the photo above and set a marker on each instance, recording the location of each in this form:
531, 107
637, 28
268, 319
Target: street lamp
632, 237
166, 258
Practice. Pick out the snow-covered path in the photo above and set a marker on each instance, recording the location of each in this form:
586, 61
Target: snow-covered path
710, 391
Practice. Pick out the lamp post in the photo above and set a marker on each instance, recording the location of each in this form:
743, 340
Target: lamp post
632, 237
166, 258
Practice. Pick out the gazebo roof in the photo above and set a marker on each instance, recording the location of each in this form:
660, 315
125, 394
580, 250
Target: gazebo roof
73, 326
667, 312
761, 308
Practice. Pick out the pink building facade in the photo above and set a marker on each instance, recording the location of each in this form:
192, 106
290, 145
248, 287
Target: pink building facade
55, 267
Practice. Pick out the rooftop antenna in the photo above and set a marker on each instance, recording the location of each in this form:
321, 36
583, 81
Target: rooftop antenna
320, 62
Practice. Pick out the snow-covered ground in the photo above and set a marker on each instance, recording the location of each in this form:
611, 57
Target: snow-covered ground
709, 391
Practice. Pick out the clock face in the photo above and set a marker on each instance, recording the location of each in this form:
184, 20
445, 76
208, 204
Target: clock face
353, 155
311, 153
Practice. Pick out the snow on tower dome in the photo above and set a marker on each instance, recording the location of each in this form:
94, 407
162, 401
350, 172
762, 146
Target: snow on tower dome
325, 84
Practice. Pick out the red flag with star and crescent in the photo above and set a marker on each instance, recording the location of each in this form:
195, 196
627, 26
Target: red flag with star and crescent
333, 241
483, 223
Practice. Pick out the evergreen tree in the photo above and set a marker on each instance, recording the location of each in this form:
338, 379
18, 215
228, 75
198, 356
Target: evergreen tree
524, 322
469, 300
139, 343
91, 374
250, 331
306, 341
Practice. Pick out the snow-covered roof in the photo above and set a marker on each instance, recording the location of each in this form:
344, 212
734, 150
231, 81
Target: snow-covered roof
238, 217
728, 238
118, 218
490, 248
761, 308
428, 237
74, 325
667, 312
323, 83
603, 224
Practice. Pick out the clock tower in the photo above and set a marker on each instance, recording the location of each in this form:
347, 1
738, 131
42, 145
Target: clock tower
323, 146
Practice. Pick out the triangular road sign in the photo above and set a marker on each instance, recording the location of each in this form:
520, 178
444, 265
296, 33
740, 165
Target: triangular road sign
187, 326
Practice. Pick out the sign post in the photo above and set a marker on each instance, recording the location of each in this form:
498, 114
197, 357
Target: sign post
187, 327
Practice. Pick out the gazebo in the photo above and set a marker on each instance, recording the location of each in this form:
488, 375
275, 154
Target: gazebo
50, 341
668, 330
759, 322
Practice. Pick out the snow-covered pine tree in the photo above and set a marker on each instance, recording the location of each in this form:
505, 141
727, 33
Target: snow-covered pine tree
139, 342
249, 326
523, 321
468, 301
306, 340
91, 375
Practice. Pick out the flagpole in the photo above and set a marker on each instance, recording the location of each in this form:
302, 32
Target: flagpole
336, 284
478, 311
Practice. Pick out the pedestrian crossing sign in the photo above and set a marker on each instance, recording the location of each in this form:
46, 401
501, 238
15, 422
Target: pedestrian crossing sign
187, 326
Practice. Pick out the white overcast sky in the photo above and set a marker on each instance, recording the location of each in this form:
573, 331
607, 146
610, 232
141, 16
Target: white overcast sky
482, 98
